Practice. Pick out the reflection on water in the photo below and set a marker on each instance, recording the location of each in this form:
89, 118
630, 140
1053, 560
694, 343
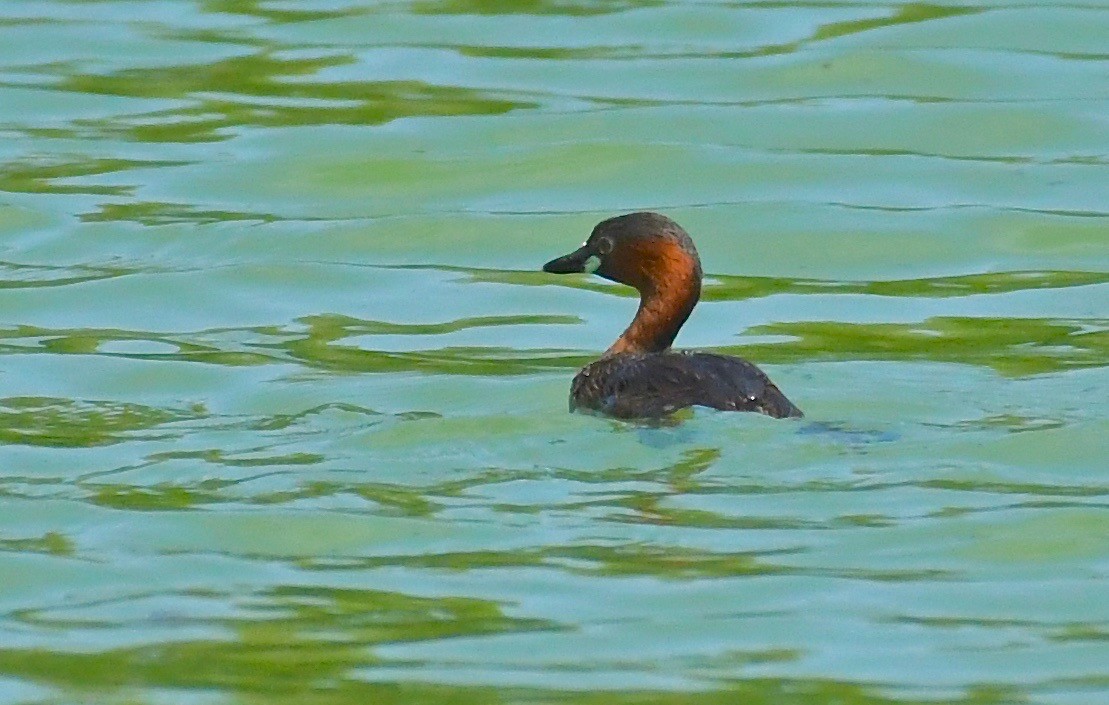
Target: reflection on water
65, 422
147, 213
284, 643
39, 177
16, 276
1012, 346
283, 410
1021, 346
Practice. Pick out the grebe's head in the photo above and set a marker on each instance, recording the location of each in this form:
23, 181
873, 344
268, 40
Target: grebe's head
645, 250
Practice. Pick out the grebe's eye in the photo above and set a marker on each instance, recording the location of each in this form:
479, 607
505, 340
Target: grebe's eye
604, 245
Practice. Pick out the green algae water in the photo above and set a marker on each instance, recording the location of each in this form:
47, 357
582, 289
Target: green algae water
283, 393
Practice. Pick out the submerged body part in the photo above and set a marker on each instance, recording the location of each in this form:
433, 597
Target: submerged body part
639, 376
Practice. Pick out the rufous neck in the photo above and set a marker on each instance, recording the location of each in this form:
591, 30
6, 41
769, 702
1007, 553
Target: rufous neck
662, 311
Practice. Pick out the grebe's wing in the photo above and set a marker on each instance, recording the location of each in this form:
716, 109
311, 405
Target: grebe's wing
653, 385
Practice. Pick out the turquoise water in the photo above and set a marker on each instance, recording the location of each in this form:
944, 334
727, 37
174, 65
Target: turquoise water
283, 392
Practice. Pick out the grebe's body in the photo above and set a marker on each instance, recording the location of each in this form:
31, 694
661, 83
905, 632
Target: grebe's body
639, 376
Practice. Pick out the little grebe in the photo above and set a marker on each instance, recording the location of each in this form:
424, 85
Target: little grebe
640, 376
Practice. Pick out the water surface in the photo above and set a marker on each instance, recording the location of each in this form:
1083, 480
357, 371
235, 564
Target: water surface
282, 392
